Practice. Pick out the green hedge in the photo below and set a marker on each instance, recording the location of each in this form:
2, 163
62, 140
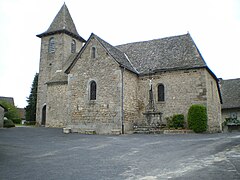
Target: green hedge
197, 118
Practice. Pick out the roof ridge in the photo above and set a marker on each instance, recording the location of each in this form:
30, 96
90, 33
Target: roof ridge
144, 41
234, 79
130, 62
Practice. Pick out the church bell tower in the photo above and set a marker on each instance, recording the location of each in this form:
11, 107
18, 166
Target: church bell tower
59, 43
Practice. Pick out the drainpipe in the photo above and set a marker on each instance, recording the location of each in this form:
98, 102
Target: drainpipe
122, 98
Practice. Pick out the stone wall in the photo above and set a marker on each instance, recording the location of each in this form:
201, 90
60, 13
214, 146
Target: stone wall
50, 63
213, 104
131, 109
57, 109
104, 113
182, 89
1, 116
69, 104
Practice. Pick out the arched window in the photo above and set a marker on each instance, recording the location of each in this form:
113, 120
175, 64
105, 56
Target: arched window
51, 45
73, 46
93, 53
161, 93
93, 90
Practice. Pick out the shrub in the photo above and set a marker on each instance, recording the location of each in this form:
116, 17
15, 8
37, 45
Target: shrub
178, 121
175, 121
8, 123
197, 118
16, 121
169, 122
30, 123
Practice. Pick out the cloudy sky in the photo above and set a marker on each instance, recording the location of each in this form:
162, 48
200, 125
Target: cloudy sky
213, 24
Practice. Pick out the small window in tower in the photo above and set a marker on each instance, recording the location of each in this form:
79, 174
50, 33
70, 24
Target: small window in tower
93, 90
93, 53
73, 46
161, 93
51, 46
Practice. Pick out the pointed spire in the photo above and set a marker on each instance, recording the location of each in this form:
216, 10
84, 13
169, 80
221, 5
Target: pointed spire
63, 22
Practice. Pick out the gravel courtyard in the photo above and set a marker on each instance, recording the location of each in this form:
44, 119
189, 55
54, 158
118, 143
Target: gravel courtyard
47, 153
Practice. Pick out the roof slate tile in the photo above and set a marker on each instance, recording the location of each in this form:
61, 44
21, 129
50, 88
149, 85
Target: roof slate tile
230, 90
175, 52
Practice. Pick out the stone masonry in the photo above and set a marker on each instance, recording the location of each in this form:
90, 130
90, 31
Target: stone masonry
51, 63
102, 114
121, 75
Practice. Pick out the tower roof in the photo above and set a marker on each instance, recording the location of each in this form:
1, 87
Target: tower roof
62, 23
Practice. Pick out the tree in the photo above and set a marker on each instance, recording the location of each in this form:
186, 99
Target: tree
32, 101
12, 112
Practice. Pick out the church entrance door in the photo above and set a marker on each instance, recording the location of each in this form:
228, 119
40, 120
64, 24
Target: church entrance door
43, 115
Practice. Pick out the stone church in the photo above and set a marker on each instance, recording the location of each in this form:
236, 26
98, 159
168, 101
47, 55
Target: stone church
93, 85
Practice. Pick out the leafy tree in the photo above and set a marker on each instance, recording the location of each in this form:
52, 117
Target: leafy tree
32, 101
12, 112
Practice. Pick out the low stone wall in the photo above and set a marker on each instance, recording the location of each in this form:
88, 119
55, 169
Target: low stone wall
1, 116
177, 131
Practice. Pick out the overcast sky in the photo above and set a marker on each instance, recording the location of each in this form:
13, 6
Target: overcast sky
213, 24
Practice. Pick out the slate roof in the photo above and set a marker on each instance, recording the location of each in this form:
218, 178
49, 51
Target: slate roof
7, 99
69, 61
118, 55
63, 23
230, 90
177, 52
59, 78
170, 53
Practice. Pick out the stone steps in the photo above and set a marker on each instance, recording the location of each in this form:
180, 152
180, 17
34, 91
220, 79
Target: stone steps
157, 130
90, 131
147, 130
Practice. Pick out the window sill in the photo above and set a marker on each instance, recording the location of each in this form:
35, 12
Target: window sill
92, 102
160, 102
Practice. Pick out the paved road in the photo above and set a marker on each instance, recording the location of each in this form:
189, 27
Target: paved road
45, 153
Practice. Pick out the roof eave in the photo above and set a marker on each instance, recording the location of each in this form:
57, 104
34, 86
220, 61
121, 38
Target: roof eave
56, 82
217, 81
172, 69
59, 32
231, 108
